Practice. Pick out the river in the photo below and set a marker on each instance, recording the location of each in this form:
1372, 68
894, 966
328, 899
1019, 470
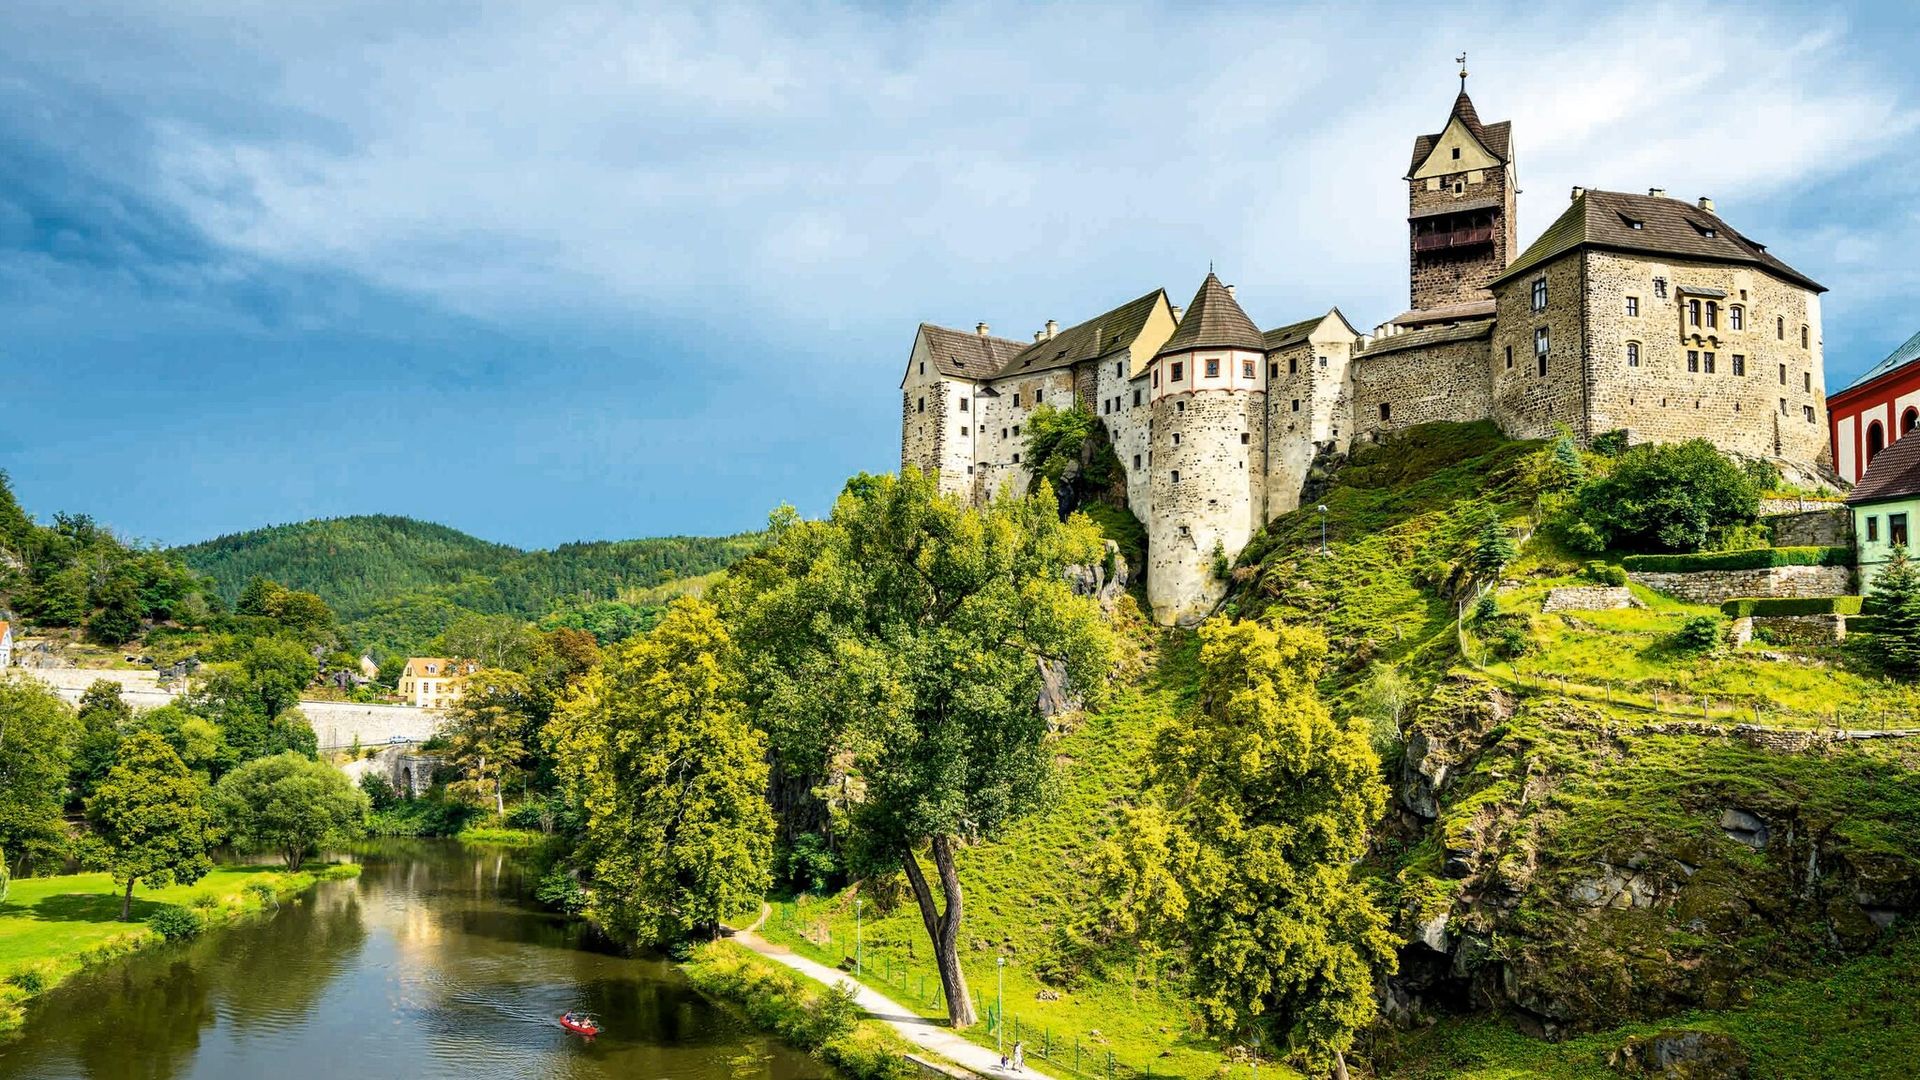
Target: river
433, 963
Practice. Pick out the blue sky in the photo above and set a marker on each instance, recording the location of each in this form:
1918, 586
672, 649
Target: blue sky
549, 272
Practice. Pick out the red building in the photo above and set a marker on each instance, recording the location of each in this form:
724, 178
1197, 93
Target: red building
1880, 406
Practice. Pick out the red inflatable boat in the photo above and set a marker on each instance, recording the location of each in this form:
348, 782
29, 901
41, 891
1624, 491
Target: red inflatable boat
579, 1025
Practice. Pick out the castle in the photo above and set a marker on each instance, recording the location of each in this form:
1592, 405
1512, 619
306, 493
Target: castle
1636, 313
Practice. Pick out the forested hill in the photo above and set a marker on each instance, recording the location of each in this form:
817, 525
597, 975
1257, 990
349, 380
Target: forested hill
395, 577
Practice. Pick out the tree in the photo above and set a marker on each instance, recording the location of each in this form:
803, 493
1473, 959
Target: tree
290, 805
1666, 497
486, 731
894, 656
1269, 801
673, 779
1895, 605
496, 641
1492, 548
151, 814
37, 736
1385, 696
103, 718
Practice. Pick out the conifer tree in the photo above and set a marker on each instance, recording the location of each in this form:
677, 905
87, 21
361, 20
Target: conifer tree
1895, 605
1493, 548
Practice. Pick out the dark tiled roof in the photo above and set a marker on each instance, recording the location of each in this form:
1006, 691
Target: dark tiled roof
1089, 340
1439, 335
1899, 358
1604, 219
1466, 309
1893, 474
1497, 138
967, 355
1295, 333
1214, 320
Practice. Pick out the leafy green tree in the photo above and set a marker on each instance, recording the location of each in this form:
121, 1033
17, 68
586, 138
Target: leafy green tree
893, 655
673, 778
290, 805
1666, 497
37, 735
487, 730
1069, 449
1492, 548
199, 742
103, 716
117, 612
277, 670
1895, 605
151, 815
496, 641
1268, 801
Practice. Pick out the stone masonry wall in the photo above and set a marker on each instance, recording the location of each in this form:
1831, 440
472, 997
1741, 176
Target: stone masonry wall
1829, 527
1439, 278
1527, 404
1718, 586
931, 422
1199, 437
1002, 435
1589, 598
1762, 413
1447, 381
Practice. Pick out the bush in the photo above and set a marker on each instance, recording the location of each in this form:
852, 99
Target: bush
1698, 634
1791, 605
811, 865
205, 902
1610, 443
1602, 573
834, 1013
1666, 497
379, 792
559, 890
263, 892
175, 923
32, 980
1749, 559
1485, 608
1508, 636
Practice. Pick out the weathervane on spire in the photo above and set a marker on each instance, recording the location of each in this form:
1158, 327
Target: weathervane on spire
1462, 61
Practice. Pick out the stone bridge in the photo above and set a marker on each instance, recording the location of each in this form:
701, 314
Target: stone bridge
409, 773
336, 724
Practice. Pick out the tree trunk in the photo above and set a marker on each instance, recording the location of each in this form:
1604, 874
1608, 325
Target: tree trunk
499, 798
126, 903
943, 929
1339, 1066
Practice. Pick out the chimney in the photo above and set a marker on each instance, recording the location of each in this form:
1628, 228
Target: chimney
1052, 329
1229, 290
1039, 335
1177, 312
1578, 193
1706, 203
981, 329
1657, 192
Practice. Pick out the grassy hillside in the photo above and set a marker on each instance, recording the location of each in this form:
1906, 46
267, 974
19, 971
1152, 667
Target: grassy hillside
397, 582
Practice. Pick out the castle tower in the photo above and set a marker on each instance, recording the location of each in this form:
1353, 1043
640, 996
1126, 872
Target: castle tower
1207, 387
1460, 215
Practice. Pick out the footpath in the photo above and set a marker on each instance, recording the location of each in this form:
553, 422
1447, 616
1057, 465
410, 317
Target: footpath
931, 1035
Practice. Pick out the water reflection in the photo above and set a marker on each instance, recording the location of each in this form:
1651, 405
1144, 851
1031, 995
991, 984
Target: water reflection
430, 965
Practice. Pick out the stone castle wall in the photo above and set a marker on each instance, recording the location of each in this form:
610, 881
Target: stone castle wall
931, 424
1419, 385
1205, 438
1526, 403
1829, 527
1719, 586
1437, 279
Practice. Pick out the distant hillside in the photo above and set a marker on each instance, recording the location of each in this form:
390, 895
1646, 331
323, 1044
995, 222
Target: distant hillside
397, 580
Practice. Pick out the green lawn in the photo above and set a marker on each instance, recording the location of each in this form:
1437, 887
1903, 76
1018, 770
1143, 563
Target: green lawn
51, 927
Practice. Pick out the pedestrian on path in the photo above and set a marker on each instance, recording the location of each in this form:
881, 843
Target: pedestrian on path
1019, 1056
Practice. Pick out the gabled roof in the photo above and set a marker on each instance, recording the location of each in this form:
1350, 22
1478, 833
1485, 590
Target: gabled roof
1497, 138
1607, 219
1214, 320
1089, 340
1899, 358
1894, 473
967, 355
1295, 333
417, 666
1438, 335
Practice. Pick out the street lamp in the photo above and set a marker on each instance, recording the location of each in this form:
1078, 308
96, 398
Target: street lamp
1323, 527
1000, 1009
857, 951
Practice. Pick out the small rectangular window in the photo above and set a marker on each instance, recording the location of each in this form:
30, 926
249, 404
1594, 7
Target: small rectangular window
963, 431
1016, 429
1783, 374
1693, 313
1873, 527
1176, 476
1660, 288
963, 404
1036, 397
1016, 459
1136, 399
1245, 438
1713, 315
1246, 369
1540, 294
1296, 404
1273, 370
1179, 406
1633, 305
1213, 369
1739, 364
1706, 362
1386, 412
1179, 369
1808, 409
1693, 360
1509, 357
1783, 406
1293, 365
1736, 318
1806, 381
1016, 398
1323, 362
1633, 354
1136, 461
1897, 530
923, 404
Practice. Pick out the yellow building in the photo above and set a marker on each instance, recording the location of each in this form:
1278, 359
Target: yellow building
433, 682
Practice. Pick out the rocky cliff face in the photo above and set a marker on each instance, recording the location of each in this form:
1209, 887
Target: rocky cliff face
1575, 869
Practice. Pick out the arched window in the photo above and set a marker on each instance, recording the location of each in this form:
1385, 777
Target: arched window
1909, 419
1713, 315
1633, 354
1876, 440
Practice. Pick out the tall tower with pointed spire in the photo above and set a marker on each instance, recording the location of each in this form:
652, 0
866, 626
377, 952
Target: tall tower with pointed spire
1460, 214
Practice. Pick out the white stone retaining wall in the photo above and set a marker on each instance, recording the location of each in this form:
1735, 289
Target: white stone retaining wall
1718, 586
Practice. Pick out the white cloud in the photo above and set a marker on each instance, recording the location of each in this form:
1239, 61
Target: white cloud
977, 160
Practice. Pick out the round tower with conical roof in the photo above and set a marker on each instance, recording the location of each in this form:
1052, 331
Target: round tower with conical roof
1208, 390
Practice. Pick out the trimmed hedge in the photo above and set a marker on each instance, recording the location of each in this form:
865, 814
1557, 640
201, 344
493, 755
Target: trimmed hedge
1791, 605
1750, 559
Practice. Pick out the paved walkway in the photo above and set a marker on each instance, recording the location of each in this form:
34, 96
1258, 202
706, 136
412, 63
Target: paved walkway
927, 1034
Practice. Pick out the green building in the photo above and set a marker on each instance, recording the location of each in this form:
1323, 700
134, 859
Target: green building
1886, 507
